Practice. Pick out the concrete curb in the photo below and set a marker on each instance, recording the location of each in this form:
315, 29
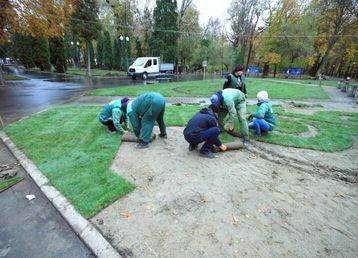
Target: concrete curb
83, 228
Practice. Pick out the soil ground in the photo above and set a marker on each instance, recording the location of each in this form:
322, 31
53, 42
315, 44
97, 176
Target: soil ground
241, 204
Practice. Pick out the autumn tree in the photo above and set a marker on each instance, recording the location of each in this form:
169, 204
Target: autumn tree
332, 17
85, 24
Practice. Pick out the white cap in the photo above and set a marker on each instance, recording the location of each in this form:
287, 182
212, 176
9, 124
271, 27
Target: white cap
262, 95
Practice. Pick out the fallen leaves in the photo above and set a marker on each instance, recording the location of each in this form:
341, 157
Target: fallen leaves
125, 214
236, 221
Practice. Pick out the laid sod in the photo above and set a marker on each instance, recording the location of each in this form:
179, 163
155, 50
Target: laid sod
9, 182
336, 131
12, 77
72, 149
275, 89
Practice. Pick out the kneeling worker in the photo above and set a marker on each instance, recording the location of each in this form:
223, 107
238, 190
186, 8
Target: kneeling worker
203, 127
114, 114
143, 112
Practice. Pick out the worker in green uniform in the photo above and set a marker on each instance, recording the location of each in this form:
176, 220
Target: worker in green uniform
143, 112
113, 115
232, 102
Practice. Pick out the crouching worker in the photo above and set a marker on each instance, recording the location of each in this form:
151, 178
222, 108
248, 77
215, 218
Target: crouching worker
143, 112
113, 116
203, 128
263, 119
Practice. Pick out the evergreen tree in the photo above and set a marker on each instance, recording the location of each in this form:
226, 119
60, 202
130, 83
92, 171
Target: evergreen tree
85, 24
164, 40
41, 54
99, 50
23, 49
57, 51
117, 54
138, 47
93, 64
107, 50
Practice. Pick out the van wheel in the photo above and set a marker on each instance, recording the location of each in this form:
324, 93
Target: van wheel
145, 76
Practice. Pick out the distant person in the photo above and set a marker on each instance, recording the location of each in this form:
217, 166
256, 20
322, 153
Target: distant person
143, 112
113, 115
236, 79
203, 127
232, 101
263, 118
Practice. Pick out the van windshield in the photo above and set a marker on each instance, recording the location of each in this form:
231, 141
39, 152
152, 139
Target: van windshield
139, 61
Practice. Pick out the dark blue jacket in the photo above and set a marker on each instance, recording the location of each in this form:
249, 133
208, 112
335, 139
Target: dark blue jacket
200, 122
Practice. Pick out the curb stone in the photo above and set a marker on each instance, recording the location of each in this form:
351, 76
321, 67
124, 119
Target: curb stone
83, 228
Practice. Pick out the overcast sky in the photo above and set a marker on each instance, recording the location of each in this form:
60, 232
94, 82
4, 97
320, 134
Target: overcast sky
212, 8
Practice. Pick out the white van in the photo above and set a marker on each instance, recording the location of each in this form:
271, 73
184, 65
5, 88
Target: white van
145, 67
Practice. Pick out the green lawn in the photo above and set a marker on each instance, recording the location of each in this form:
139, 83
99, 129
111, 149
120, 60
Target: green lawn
73, 150
9, 182
308, 82
71, 71
11, 77
95, 72
276, 90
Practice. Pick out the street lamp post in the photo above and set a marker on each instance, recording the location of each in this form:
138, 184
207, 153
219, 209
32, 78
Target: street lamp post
74, 55
124, 40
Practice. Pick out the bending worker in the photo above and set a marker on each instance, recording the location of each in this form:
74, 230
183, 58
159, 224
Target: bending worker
232, 101
264, 118
143, 112
114, 114
203, 127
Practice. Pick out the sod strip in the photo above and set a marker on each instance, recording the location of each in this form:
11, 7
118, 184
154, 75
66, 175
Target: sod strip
6, 184
73, 150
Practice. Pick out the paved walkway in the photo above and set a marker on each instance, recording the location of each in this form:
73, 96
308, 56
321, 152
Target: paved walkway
33, 228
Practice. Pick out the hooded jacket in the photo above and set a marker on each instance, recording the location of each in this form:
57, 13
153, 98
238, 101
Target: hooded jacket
200, 122
235, 82
264, 111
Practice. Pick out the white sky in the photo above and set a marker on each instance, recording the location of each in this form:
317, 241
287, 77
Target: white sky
212, 8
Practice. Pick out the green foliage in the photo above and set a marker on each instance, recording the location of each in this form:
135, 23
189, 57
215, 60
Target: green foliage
85, 22
99, 50
107, 50
164, 40
57, 51
117, 57
41, 54
138, 47
23, 49
74, 151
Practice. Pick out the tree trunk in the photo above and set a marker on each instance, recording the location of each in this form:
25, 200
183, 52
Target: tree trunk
274, 71
331, 43
2, 81
251, 44
88, 59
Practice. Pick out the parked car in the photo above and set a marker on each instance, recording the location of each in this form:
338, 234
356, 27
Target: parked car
146, 67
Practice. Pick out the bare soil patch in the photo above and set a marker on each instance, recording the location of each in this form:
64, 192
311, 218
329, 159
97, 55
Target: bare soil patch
248, 203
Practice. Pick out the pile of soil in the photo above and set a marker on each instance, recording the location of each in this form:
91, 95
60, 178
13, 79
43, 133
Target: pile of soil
244, 203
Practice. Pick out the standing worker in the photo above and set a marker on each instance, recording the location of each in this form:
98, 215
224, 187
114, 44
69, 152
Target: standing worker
232, 101
203, 127
114, 114
236, 79
143, 112
264, 118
